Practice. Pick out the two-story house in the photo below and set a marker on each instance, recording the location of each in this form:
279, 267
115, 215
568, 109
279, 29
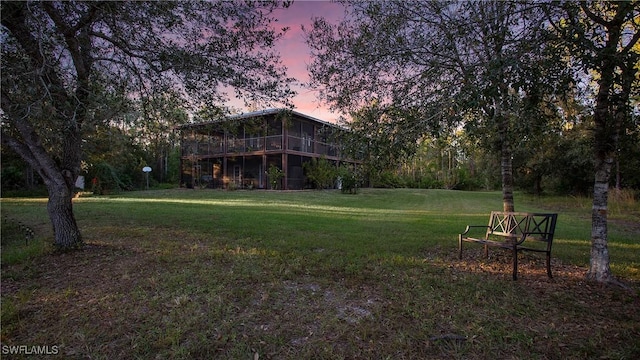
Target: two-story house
237, 151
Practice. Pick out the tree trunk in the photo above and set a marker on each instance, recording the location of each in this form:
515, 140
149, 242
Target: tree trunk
537, 185
506, 167
604, 146
611, 109
599, 269
60, 208
618, 176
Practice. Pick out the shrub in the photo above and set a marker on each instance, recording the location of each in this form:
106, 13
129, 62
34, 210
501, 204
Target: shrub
351, 179
387, 179
321, 173
105, 179
275, 174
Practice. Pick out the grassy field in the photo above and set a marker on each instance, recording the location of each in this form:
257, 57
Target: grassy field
314, 274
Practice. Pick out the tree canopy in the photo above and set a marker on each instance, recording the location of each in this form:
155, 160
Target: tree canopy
502, 70
70, 65
481, 64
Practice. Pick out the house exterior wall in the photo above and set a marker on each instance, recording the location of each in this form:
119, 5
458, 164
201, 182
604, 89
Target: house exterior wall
238, 151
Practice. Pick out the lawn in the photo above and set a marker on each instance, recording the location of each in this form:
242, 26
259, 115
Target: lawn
315, 274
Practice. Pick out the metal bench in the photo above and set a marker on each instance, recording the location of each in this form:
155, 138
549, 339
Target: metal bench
515, 231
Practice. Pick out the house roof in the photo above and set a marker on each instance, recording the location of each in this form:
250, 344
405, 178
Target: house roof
264, 112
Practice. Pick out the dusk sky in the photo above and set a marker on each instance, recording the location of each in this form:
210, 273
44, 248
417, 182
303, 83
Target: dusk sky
295, 53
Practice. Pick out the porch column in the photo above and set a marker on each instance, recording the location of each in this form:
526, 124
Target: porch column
263, 175
285, 150
224, 171
285, 185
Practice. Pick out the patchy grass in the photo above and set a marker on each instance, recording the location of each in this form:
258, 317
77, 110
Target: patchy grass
284, 275
18, 243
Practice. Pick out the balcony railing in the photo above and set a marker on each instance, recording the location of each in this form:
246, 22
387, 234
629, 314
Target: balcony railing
268, 143
300, 144
308, 145
273, 142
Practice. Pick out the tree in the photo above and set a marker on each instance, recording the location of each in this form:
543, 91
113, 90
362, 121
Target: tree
602, 38
380, 137
60, 60
481, 63
110, 146
154, 130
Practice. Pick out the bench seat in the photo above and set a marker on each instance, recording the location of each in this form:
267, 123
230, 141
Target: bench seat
515, 231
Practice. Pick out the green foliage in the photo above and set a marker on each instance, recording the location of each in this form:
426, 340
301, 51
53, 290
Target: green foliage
275, 176
484, 65
381, 136
560, 164
427, 182
17, 176
387, 179
173, 171
350, 178
12, 178
110, 145
321, 172
153, 133
628, 154
105, 180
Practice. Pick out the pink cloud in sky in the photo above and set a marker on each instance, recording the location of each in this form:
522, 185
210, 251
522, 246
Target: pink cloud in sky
296, 55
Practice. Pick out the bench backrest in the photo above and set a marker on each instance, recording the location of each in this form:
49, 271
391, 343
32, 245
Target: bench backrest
538, 226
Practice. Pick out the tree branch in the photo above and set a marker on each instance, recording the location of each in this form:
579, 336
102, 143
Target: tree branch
131, 51
72, 40
632, 43
591, 15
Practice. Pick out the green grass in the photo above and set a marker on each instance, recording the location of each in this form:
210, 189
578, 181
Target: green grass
319, 274
18, 244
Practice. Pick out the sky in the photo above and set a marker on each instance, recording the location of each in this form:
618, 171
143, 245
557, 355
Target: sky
295, 53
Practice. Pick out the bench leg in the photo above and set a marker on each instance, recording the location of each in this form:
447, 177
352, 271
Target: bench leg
515, 263
459, 247
486, 251
549, 265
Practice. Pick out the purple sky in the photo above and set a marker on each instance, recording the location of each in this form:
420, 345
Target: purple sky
295, 53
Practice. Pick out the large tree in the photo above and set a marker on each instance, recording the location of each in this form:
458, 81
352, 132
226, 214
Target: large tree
381, 137
61, 60
481, 62
602, 38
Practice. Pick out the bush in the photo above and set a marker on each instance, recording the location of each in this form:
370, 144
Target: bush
12, 178
428, 182
351, 180
387, 179
105, 179
275, 174
321, 173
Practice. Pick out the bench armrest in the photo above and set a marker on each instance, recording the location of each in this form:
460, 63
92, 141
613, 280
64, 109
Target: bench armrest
523, 237
469, 227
